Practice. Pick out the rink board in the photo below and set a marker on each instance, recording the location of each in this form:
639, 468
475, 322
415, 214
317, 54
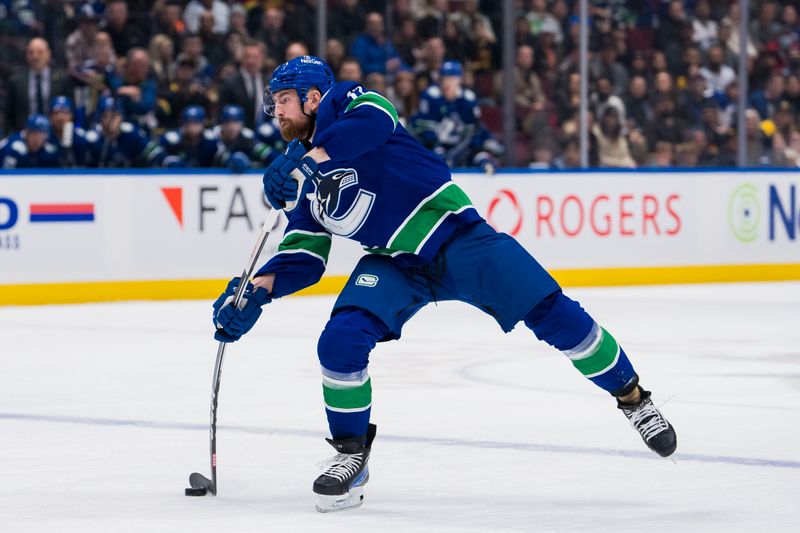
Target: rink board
91, 236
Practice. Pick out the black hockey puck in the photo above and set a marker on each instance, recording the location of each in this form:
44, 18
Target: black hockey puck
191, 491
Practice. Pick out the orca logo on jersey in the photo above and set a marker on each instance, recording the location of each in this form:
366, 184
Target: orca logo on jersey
337, 204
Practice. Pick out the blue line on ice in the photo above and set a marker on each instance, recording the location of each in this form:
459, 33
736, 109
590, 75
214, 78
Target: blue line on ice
464, 443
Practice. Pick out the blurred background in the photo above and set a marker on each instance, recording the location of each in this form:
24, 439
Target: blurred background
661, 83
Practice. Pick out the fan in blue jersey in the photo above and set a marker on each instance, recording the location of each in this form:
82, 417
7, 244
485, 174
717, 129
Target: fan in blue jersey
30, 148
192, 145
448, 122
238, 147
368, 180
113, 142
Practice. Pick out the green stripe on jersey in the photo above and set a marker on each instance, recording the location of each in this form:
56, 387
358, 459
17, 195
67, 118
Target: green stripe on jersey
412, 235
356, 398
602, 358
375, 100
316, 243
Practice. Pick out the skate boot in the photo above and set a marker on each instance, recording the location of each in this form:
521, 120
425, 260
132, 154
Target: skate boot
656, 432
341, 484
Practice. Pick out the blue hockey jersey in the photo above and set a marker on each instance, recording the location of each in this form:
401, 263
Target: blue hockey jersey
179, 152
14, 154
130, 148
381, 188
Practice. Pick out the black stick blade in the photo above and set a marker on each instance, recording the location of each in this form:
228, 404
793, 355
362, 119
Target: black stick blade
200, 485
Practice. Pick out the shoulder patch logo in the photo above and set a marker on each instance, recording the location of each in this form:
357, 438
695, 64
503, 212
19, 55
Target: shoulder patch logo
367, 280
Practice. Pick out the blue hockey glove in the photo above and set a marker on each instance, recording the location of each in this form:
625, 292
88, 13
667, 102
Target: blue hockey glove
280, 186
239, 162
231, 322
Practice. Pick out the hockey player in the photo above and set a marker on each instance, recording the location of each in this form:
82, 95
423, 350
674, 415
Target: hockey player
62, 129
114, 143
238, 148
448, 122
366, 179
30, 148
192, 145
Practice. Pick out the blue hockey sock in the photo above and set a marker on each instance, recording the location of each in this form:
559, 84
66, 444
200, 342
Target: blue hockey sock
343, 350
562, 323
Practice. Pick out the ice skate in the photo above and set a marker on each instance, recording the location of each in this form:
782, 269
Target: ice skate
341, 484
655, 430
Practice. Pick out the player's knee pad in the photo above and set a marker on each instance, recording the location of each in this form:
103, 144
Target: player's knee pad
348, 338
560, 322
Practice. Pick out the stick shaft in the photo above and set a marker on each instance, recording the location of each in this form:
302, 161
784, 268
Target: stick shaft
272, 217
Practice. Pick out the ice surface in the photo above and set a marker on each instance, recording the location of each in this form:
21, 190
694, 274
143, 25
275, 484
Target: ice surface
104, 414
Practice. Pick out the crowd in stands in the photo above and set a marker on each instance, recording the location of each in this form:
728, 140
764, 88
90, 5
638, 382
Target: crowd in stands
179, 83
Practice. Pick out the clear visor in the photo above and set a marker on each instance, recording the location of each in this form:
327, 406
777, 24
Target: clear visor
282, 98
268, 104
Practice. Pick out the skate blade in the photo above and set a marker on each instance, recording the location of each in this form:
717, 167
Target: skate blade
340, 502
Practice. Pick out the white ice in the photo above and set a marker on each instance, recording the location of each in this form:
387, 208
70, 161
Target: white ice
104, 414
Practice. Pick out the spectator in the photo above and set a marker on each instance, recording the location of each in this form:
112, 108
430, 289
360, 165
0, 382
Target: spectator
612, 146
93, 77
758, 145
213, 43
403, 93
193, 49
430, 62
272, 34
765, 101
569, 99
30, 148
195, 8
541, 21
529, 98
296, 49
406, 41
638, 110
765, 28
346, 21
162, 56
136, 90
350, 70
603, 98
78, 45
245, 88
375, 81
667, 125
168, 20
662, 155
124, 35
792, 94
431, 18
606, 65
732, 21
334, 54
30, 90
704, 29
185, 91
374, 52
238, 21
299, 25
717, 74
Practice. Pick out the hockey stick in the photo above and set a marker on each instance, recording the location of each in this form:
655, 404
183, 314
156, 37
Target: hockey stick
201, 485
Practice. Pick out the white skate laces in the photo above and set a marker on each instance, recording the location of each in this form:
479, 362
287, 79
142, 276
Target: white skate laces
342, 466
647, 420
